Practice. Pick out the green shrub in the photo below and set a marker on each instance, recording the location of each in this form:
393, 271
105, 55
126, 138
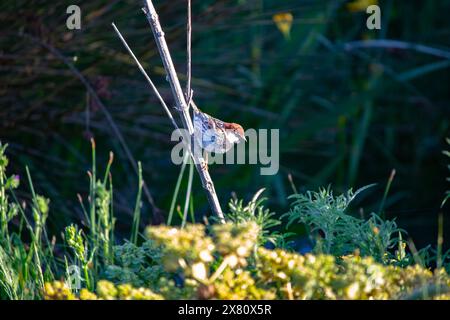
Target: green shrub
353, 258
264, 218
338, 233
106, 290
228, 264
135, 265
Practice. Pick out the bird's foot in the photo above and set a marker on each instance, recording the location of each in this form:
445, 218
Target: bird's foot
204, 164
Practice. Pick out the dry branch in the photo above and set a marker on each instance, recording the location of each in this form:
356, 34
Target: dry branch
182, 107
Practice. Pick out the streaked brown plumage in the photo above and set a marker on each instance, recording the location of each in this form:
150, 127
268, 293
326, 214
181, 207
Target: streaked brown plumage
213, 134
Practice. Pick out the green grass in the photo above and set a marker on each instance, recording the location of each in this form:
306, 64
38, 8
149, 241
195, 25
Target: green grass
31, 262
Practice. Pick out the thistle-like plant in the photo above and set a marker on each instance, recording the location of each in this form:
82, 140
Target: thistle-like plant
339, 233
254, 211
136, 265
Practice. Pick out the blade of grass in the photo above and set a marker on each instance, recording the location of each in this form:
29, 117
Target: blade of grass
440, 240
386, 191
191, 209
83, 208
92, 222
35, 245
112, 219
359, 142
137, 208
418, 260
177, 189
108, 167
188, 193
291, 182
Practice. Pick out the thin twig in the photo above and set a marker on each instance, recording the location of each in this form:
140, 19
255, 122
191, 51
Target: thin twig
155, 90
189, 52
188, 94
183, 107
141, 68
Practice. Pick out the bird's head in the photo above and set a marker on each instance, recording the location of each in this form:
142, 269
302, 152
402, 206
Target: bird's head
235, 133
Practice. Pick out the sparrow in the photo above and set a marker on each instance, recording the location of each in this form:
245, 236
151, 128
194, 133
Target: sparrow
215, 135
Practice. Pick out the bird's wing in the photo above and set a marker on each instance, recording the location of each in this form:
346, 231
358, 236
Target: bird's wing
204, 134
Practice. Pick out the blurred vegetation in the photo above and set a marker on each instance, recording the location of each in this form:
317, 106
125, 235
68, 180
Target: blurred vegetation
347, 117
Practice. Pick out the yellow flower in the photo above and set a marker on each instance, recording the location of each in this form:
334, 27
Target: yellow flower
57, 290
85, 294
353, 290
283, 21
360, 5
199, 271
106, 290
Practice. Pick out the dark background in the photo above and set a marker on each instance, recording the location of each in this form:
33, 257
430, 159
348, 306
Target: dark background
346, 118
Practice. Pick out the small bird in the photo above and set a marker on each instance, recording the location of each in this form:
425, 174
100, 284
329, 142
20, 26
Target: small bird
215, 135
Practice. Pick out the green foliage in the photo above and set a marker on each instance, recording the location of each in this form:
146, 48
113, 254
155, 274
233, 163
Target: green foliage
106, 290
189, 243
135, 265
353, 277
9, 277
57, 290
255, 211
336, 232
238, 239
24, 267
75, 240
339, 233
8, 210
234, 273
221, 261
337, 123
288, 275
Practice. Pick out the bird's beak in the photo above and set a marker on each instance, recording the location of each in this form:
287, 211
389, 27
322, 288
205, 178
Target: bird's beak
244, 138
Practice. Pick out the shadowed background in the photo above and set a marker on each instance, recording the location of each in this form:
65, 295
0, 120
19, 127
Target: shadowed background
346, 117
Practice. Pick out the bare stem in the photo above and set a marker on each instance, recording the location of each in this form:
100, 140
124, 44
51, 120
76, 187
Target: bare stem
141, 68
189, 52
182, 107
